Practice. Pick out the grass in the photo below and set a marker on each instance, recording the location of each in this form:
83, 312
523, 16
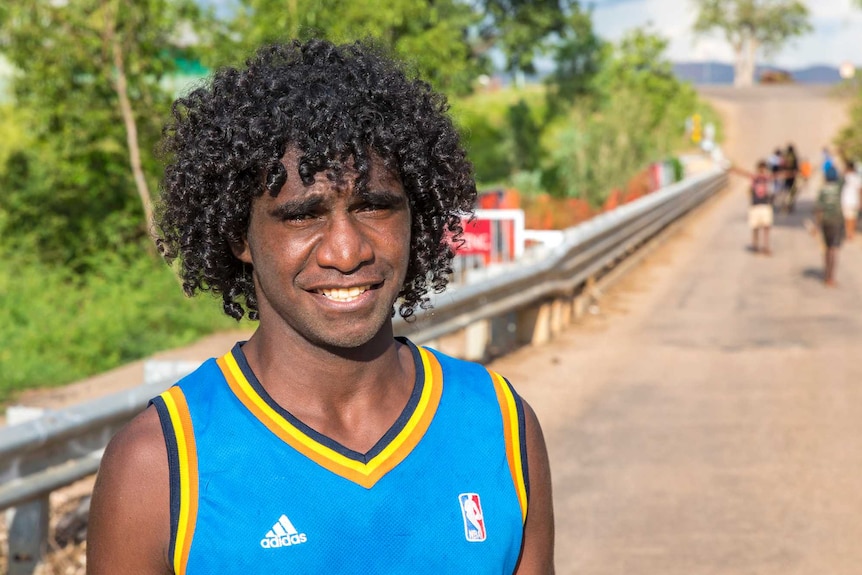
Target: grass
60, 329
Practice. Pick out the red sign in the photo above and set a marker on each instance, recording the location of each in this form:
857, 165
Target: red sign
477, 238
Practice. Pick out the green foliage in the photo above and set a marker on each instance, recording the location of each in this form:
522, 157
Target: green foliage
770, 22
446, 41
849, 140
68, 189
525, 132
66, 327
523, 29
11, 131
80, 292
631, 112
502, 130
579, 56
637, 118
431, 37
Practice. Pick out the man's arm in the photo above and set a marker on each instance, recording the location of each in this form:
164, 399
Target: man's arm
734, 169
537, 557
129, 526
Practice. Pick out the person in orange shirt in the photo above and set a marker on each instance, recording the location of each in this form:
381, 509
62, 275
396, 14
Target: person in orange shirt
805, 169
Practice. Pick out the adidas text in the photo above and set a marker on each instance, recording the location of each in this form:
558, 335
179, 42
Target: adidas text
283, 541
282, 534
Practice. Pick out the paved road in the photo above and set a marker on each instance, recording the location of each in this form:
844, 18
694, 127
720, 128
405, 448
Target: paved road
709, 419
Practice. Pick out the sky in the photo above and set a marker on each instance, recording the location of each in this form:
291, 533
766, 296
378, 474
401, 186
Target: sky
836, 38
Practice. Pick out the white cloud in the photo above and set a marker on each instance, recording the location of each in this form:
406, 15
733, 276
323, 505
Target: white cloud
837, 35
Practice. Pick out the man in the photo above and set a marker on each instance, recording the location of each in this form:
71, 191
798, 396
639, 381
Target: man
760, 215
830, 220
311, 190
791, 171
776, 166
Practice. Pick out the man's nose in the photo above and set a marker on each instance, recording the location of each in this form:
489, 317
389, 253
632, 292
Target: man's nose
345, 245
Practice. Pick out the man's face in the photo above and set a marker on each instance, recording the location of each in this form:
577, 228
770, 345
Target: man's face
328, 260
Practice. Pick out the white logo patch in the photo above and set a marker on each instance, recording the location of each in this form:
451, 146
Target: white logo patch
282, 534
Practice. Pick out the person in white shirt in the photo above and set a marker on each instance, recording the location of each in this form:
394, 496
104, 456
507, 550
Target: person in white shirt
850, 192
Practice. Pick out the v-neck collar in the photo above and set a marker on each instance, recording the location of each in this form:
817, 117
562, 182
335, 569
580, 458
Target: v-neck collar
364, 469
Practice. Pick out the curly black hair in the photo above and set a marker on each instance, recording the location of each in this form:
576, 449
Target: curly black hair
334, 103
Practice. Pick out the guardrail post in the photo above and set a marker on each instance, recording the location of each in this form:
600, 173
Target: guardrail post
28, 536
534, 324
28, 523
476, 340
583, 300
558, 317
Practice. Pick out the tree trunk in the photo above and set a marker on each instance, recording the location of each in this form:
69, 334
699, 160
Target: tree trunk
753, 46
743, 63
121, 87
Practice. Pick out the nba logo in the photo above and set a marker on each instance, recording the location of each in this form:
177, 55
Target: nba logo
474, 520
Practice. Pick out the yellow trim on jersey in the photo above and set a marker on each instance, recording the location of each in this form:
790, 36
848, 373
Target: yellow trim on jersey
512, 432
181, 422
364, 474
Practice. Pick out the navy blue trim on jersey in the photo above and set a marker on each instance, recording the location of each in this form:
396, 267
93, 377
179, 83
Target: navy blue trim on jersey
173, 467
522, 423
382, 443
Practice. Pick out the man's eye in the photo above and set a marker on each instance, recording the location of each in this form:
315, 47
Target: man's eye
297, 217
374, 206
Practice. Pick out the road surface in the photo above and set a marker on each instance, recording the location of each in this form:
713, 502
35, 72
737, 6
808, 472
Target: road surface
709, 419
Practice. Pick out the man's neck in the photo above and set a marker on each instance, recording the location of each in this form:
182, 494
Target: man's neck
351, 396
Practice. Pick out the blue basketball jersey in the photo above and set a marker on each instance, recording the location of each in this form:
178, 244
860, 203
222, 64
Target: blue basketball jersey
254, 490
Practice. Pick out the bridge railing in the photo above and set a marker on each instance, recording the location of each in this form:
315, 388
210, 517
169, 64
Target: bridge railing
533, 297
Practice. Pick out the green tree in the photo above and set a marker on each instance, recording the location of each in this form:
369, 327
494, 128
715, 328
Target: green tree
849, 139
525, 151
431, 37
751, 26
447, 41
88, 83
637, 117
524, 29
578, 57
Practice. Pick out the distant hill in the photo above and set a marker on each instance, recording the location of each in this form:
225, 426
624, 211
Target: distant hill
722, 73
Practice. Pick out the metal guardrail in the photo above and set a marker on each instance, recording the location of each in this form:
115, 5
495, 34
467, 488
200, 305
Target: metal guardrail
39, 456
587, 249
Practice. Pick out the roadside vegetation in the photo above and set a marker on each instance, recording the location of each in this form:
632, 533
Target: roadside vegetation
849, 140
82, 288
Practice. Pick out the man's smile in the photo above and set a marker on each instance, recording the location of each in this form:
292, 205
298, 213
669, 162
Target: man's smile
346, 294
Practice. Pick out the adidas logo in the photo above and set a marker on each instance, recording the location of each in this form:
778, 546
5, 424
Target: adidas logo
282, 534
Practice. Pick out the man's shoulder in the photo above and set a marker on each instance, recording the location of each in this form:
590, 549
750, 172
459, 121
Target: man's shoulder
469, 373
453, 364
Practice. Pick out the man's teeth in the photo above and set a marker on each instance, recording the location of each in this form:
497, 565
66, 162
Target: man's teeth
345, 294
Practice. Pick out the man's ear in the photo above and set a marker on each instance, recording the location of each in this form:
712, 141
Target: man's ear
241, 251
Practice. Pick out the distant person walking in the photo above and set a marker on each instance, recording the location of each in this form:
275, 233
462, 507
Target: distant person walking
775, 161
805, 170
830, 220
828, 161
791, 171
760, 210
850, 199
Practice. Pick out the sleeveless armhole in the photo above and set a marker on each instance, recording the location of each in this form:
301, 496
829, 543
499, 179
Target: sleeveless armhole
183, 472
514, 430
